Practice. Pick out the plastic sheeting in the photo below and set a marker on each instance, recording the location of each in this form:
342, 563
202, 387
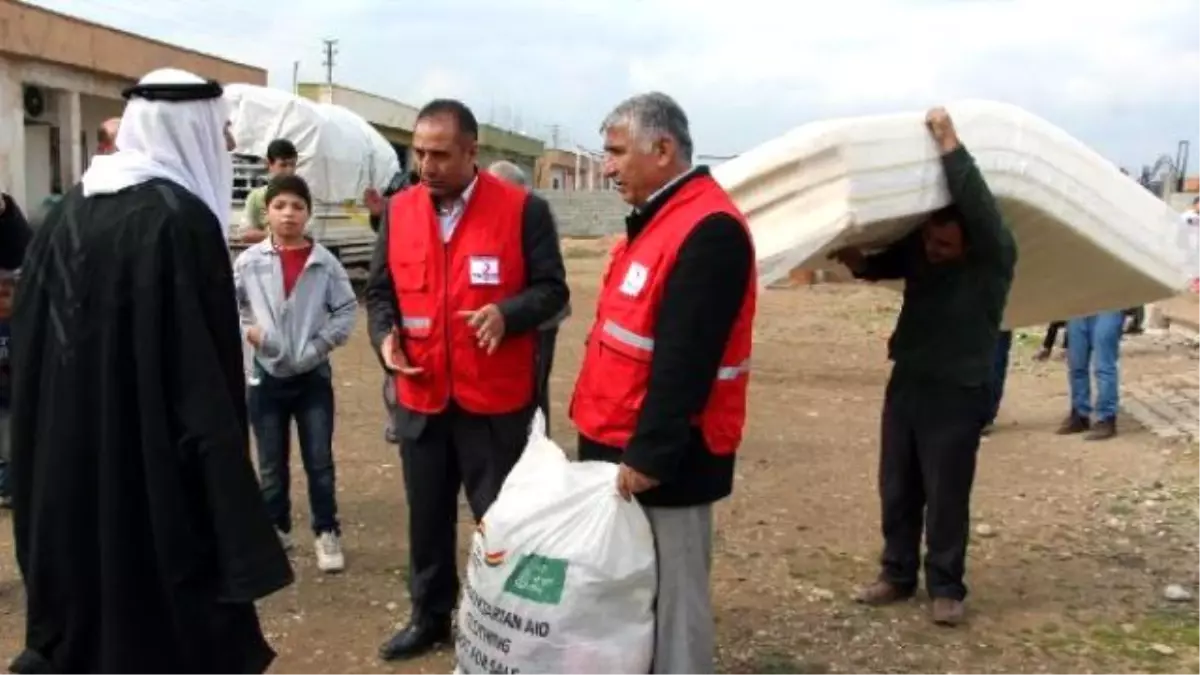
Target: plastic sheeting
341, 154
1090, 238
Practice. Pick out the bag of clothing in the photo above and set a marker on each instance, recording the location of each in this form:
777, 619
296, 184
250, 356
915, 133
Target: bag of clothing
562, 573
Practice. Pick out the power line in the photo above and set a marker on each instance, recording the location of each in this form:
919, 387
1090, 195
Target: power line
330, 52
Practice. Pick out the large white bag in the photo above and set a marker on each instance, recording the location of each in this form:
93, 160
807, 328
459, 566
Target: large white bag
561, 576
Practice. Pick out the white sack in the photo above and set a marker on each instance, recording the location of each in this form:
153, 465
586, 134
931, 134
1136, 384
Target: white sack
1089, 237
561, 576
341, 154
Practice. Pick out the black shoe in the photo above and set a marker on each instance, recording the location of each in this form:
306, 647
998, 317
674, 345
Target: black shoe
415, 639
1102, 430
1074, 424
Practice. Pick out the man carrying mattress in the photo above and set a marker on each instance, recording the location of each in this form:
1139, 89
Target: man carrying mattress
957, 270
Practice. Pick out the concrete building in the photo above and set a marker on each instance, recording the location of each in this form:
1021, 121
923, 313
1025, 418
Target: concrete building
395, 121
559, 169
60, 77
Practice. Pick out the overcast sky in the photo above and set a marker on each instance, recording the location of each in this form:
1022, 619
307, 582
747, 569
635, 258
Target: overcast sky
1123, 76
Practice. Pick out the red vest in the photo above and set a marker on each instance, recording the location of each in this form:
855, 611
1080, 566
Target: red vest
616, 364
483, 263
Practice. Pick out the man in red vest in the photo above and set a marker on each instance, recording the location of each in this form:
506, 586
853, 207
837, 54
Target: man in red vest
466, 267
662, 389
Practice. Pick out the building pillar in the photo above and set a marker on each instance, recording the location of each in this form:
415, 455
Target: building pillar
70, 143
12, 133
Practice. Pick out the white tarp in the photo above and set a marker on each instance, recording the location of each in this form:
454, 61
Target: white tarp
1090, 238
341, 155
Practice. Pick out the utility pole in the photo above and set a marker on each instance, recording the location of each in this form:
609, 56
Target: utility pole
295, 78
330, 52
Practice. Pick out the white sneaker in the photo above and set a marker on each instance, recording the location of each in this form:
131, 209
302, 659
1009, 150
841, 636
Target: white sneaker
285, 538
329, 553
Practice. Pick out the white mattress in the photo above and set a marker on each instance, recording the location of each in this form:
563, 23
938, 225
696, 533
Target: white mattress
1089, 237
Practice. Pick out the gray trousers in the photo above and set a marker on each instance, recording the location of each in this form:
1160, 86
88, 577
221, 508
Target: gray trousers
685, 640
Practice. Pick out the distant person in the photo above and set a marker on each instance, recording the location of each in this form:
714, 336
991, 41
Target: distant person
281, 161
292, 334
957, 269
999, 377
1095, 349
1052, 335
7, 288
15, 233
548, 331
140, 533
106, 136
1189, 239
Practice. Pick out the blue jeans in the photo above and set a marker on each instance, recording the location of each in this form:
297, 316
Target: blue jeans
307, 399
1094, 346
999, 374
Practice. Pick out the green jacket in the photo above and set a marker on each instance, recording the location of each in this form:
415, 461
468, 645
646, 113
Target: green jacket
950, 319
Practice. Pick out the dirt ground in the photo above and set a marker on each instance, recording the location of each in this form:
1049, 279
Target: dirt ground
1075, 541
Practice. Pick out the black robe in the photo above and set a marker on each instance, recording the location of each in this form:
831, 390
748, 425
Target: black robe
139, 528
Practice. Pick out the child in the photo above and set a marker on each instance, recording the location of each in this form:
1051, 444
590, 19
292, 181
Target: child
297, 306
7, 287
281, 161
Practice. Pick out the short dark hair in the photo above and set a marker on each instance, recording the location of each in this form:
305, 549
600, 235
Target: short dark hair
281, 149
945, 216
289, 185
463, 117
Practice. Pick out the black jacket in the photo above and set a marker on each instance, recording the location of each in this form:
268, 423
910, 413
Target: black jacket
701, 300
950, 320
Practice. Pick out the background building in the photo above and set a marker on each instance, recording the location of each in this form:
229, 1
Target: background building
395, 121
60, 77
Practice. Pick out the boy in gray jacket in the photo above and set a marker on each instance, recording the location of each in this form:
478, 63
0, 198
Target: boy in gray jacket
297, 305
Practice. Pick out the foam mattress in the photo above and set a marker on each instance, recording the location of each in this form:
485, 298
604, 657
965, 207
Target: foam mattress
1090, 238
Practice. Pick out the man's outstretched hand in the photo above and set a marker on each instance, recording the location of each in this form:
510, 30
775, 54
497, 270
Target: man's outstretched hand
941, 127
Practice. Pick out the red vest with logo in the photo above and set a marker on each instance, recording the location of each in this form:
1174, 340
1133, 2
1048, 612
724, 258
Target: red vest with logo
616, 364
482, 263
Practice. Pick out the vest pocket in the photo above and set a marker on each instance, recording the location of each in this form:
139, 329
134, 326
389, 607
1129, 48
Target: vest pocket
623, 373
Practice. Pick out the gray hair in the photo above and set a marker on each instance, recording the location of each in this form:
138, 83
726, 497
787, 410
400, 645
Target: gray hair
650, 117
506, 170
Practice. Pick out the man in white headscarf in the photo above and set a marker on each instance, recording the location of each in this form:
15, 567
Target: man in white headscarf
140, 533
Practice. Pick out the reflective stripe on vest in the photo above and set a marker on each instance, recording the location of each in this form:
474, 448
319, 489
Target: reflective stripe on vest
646, 343
416, 322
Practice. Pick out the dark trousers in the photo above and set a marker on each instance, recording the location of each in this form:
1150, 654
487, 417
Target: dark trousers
546, 342
454, 448
274, 403
999, 374
1052, 335
926, 468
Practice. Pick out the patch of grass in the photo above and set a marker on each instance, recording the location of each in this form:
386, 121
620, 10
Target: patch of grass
1120, 509
777, 662
1178, 630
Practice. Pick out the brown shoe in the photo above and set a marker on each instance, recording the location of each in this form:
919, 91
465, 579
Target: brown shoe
1074, 424
948, 611
1102, 430
881, 593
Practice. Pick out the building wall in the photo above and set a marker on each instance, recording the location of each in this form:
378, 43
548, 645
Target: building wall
396, 121
80, 68
34, 33
585, 214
